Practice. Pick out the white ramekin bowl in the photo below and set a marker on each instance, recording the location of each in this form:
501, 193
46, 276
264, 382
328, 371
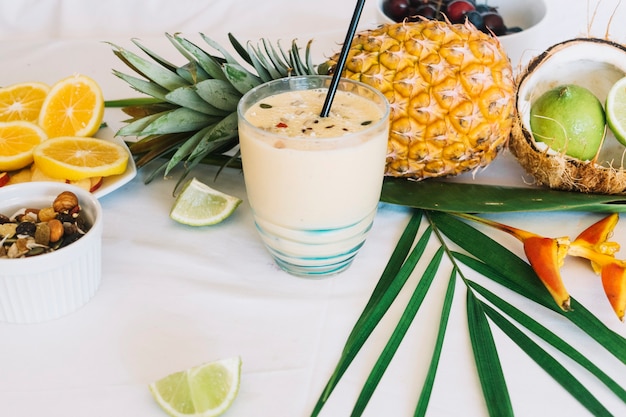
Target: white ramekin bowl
51, 285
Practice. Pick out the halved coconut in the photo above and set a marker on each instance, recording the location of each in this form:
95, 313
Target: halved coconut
589, 62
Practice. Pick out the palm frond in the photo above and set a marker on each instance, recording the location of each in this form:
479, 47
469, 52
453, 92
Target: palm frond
492, 261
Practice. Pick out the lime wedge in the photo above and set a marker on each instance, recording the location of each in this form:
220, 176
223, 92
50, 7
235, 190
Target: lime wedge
615, 108
200, 205
207, 390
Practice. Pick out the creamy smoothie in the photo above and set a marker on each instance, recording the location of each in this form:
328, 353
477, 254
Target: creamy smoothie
313, 183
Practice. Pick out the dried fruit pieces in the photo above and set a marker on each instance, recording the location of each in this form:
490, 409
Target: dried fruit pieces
34, 231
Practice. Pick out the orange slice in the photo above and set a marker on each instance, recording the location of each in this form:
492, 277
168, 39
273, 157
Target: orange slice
73, 107
22, 101
76, 158
17, 141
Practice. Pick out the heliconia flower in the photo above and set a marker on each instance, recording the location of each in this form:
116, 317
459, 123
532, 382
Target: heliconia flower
596, 237
614, 284
612, 272
545, 255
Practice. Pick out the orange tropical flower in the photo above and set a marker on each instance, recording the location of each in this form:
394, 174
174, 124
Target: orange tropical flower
596, 237
545, 255
593, 244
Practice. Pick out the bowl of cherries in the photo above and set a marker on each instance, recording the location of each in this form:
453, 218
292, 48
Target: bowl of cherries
499, 17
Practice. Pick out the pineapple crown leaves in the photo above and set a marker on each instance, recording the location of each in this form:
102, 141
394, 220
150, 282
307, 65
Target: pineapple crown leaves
191, 113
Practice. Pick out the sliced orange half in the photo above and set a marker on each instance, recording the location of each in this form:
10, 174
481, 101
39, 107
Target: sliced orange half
73, 107
22, 101
75, 158
17, 141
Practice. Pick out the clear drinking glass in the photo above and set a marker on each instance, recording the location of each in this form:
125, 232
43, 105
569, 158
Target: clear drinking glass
314, 198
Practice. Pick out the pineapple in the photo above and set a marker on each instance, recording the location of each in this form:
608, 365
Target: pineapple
451, 91
450, 87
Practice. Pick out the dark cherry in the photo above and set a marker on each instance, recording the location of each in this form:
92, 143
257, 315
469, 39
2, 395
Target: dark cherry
476, 19
396, 9
457, 9
494, 22
425, 10
486, 18
417, 3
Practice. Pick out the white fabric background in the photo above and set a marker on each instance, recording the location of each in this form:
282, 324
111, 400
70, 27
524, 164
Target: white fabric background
173, 297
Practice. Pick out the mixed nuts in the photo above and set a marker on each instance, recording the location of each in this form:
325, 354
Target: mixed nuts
35, 231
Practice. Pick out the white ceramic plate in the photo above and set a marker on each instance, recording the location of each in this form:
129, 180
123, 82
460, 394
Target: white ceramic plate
112, 183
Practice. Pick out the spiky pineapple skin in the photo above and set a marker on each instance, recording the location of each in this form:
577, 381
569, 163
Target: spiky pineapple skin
451, 90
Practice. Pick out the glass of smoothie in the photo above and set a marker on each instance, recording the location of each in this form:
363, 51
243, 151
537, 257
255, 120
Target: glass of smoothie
313, 182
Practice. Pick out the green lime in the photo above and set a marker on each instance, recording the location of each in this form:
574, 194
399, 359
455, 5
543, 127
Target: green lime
200, 205
616, 110
569, 119
207, 390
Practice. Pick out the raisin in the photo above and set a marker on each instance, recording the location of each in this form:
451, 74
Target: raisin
26, 228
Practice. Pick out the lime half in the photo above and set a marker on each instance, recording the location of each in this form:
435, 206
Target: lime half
207, 390
200, 205
616, 110
569, 119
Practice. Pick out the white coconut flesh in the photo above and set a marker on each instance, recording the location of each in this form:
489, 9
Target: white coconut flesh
595, 64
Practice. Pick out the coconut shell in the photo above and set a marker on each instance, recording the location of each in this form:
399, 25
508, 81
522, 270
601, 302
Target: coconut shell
556, 170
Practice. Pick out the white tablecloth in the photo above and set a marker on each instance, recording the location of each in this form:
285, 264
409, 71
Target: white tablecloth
173, 296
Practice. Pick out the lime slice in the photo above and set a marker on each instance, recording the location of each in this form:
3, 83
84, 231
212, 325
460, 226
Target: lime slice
207, 390
200, 205
616, 110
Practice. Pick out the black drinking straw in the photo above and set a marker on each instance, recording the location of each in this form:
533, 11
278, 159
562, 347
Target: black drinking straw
341, 62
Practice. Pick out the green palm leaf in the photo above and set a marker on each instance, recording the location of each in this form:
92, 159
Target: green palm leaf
495, 262
398, 334
487, 361
427, 388
549, 364
459, 197
554, 340
393, 279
